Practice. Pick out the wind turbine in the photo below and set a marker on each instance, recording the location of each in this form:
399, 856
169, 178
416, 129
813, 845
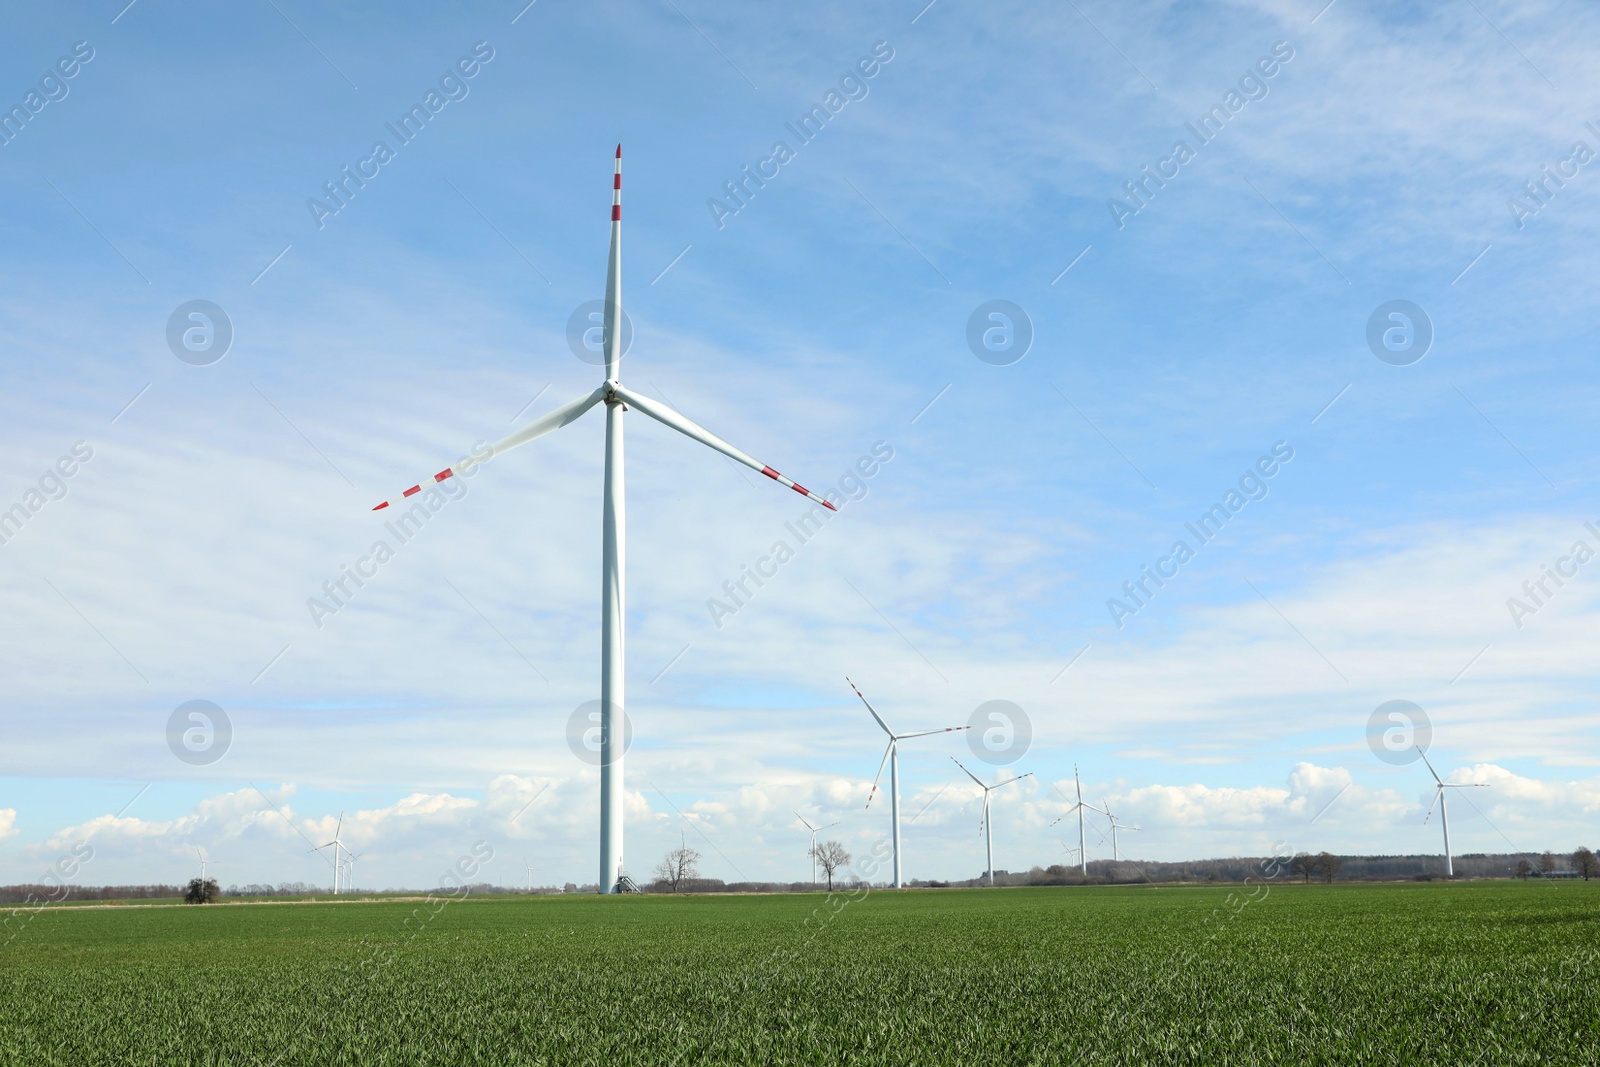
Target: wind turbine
528, 870
1440, 785
350, 871
337, 845
202, 855
891, 756
986, 825
1079, 807
1115, 824
815, 830
613, 539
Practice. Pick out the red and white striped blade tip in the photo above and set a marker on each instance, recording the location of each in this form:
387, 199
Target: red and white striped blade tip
796, 486
619, 151
415, 489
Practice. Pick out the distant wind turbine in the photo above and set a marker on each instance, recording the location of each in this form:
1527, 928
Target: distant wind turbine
891, 756
202, 855
1440, 785
350, 871
613, 537
1115, 825
1080, 807
815, 830
986, 825
338, 846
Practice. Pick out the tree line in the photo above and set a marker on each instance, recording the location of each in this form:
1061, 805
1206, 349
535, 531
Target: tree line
679, 872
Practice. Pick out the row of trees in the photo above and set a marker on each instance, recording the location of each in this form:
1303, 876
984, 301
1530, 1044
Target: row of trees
679, 870
1585, 864
36, 893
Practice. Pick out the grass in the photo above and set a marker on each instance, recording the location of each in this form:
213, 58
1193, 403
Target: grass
1488, 972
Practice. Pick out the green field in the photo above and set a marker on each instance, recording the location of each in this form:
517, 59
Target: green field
1487, 972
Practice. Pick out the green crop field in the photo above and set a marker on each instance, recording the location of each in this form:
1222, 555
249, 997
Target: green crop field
1476, 973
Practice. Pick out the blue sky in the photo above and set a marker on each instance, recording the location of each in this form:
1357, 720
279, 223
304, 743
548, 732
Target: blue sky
1380, 161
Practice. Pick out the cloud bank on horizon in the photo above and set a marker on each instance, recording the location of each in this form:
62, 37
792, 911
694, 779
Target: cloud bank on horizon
1279, 420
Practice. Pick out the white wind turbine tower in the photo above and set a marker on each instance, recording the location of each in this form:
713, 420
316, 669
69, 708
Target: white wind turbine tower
199, 852
528, 870
986, 825
1440, 785
1080, 807
613, 554
1115, 825
350, 871
338, 846
891, 756
815, 830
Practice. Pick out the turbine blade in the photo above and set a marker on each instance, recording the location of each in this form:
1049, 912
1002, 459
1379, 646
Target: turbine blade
688, 428
537, 428
881, 766
946, 730
969, 774
1431, 771
611, 334
1069, 811
1013, 781
872, 709
1437, 793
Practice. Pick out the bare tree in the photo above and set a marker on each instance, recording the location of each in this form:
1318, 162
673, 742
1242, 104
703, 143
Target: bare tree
1586, 863
1329, 865
1524, 868
679, 866
1547, 863
201, 891
1304, 864
830, 856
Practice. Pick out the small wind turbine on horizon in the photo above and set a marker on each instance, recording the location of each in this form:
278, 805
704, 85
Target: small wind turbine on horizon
1115, 825
350, 871
528, 870
613, 538
891, 756
199, 852
815, 830
337, 845
986, 824
1440, 785
1080, 807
